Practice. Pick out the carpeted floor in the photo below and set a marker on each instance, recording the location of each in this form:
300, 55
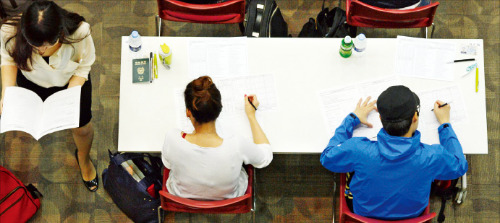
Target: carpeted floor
294, 188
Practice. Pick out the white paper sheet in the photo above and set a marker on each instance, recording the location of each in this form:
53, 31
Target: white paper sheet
234, 89
338, 103
424, 58
428, 123
24, 111
218, 58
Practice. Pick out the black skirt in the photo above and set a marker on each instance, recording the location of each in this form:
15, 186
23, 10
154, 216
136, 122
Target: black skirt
44, 93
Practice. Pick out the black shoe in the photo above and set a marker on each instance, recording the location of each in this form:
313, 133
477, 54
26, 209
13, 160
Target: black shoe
88, 184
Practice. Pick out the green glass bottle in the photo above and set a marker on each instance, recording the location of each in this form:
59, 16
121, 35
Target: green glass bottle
346, 47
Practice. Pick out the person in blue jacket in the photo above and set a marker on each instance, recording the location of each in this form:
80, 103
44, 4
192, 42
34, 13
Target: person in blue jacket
392, 176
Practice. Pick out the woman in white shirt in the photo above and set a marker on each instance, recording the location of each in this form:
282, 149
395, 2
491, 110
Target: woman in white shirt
48, 49
202, 164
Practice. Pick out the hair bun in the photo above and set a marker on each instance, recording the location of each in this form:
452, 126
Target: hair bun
203, 83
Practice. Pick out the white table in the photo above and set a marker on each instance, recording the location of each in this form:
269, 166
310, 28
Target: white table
301, 67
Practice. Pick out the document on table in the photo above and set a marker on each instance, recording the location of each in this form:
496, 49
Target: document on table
451, 95
218, 57
234, 89
24, 111
232, 92
339, 102
424, 58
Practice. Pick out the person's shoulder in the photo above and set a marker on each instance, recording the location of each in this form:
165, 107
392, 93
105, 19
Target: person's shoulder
432, 150
82, 31
8, 30
359, 142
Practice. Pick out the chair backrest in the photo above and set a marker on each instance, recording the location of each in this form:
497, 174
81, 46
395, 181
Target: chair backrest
236, 205
347, 216
232, 11
363, 15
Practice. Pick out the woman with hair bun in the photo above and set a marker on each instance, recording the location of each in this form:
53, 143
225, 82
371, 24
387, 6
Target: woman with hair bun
202, 164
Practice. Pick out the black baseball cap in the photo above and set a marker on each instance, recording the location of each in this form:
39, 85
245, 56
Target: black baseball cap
397, 103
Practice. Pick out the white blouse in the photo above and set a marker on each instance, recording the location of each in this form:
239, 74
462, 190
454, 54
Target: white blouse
70, 59
211, 173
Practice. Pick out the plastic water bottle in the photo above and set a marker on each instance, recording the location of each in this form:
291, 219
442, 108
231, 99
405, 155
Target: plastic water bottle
346, 47
134, 41
360, 43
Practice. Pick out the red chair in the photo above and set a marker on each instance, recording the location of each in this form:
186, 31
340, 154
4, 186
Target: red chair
363, 15
232, 11
347, 216
238, 205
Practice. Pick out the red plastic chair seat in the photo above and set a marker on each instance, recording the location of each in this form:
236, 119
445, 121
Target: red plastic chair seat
347, 216
236, 205
225, 12
363, 15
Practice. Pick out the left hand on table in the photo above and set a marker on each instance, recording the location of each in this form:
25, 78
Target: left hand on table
363, 109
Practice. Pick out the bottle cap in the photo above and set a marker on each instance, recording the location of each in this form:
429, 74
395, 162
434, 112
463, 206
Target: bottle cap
347, 39
361, 37
135, 34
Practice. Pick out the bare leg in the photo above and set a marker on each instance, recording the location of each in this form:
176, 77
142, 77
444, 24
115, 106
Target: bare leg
83, 137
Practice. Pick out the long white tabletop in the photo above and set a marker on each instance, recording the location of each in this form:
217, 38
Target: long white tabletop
301, 67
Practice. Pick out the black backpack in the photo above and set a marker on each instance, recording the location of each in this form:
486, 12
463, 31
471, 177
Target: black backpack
447, 190
13, 7
328, 24
263, 18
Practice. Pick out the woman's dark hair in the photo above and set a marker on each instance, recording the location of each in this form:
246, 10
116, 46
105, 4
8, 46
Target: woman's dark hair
42, 22
203, 99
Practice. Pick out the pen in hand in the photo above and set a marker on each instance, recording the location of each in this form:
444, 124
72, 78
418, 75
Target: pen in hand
440, 106
252, 103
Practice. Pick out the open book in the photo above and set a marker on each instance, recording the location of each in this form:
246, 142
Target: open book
24, 111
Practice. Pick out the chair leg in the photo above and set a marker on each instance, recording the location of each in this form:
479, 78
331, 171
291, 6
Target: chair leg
334, 191
158, 25
253, 195
432, 31
427, 31
159, 214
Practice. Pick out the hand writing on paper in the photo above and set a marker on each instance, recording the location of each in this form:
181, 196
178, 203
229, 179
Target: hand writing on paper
249, 109
363, 109
442, 113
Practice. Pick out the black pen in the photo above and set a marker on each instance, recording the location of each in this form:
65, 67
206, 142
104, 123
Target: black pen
464, 60
440, 106
252, 103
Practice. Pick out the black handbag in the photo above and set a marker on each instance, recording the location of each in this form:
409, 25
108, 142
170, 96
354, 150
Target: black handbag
139, 200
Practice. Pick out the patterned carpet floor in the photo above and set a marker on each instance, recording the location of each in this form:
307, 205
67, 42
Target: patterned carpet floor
294, 188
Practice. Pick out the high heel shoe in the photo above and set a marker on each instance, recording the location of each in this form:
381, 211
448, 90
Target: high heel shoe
91, 183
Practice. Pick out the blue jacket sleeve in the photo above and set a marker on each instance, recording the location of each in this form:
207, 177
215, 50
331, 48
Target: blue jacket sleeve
451, 164
339, 156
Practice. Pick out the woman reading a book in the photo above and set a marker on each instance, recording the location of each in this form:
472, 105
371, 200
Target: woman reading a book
48, 49
202, 164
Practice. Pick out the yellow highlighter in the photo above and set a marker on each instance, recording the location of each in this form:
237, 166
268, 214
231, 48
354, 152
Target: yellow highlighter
155, 66
477, 78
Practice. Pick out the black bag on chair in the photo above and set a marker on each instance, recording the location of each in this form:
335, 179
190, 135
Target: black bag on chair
263, 18
328, 24
134, 184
